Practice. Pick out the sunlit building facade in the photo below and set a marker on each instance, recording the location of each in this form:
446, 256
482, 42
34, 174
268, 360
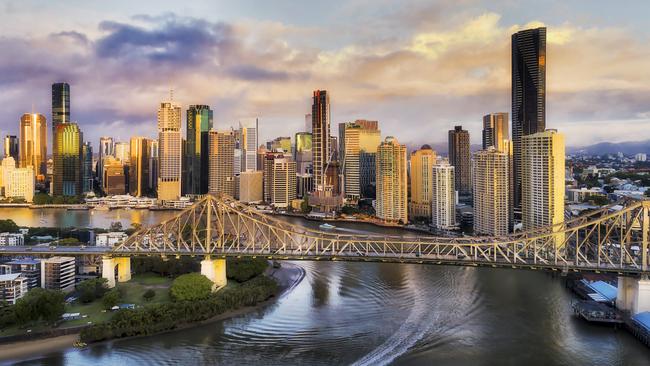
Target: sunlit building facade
422, 162
496, 132
67, 175
491, 185
33, 143
221, 167
170, 151
140, 165
392, 181
11, 148
443, 202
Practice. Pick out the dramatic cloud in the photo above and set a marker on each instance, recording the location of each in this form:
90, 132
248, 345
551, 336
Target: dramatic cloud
419, 70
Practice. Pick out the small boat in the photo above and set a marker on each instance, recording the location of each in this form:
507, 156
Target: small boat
79, 344
102, 208
327, 226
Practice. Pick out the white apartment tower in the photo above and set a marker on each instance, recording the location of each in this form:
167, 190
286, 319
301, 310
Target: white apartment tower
443, 203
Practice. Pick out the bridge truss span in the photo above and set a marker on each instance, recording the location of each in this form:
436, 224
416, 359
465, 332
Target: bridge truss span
613, 239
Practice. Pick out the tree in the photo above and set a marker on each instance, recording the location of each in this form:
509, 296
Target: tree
90, 290
191, 287
42, 199
116, 226
244, 269
38, 304
111, 298
8, 226
600, 200
148, 295
68, 242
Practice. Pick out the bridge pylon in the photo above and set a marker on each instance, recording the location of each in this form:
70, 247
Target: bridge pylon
123, 269
633, 294
215, 271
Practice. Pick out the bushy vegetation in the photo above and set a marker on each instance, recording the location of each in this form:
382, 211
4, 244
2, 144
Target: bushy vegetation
170, 267
46, 199
148, 295
190, 287
8, 226
90, 290
243, 269
155, 318
111, 298
39, 304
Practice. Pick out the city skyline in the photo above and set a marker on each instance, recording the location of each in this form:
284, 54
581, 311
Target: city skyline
610, 93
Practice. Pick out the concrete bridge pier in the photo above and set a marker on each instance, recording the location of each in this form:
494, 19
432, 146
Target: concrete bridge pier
633, 294
215, 271
123, 269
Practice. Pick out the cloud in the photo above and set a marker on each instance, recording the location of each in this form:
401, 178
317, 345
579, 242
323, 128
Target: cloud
418, 75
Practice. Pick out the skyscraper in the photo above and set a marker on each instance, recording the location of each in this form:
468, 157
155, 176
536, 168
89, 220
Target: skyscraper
443, 204
67, 174
392, 181
106, 148
11, 148
221, 166
33, 143
528, 94
153, 165
542, 180
60, 115
490, 177
199, 122
355, 138
170, 151
495, 131
422, 162
122, 152
279, 180
303, 152
459, 157
87, 162
320, 124
114, 181
308, 122
140, 164
248, 142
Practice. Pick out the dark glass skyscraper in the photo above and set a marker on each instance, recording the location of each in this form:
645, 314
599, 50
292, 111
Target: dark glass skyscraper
528, 93
199, 123
460, 158
87, 154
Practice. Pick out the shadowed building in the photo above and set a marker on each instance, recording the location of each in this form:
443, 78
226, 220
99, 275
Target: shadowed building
459, 158
199, 122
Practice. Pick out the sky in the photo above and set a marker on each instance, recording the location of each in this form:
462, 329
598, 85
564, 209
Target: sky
418, 67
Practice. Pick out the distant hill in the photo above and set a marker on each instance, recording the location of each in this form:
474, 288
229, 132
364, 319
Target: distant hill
628, 148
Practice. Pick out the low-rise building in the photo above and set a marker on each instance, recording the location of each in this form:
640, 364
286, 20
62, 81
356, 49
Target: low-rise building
11, 239
29, 268
109, 239
577, 195
12, 287
58, 273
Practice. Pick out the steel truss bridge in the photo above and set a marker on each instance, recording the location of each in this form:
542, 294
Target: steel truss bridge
611, 239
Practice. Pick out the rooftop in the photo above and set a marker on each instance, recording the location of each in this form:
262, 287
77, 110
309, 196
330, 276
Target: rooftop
9, 277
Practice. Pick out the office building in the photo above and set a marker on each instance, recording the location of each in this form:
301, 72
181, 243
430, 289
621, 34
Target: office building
279, 180
11, 147
320, 114
153, 165
11, 239
542, 181
357, 137
139, 167
308, 122
392, 181
87, 173
303, 152
122, 152
169, 151
67, 175
490, 190
106, 148
114, 178
18, 183
443, 202
110, 239
304, 184
251, 186
61, 116
33, 143
12, 287
422, 162
496, 131
528, 95
248, 140
58, 273
368, 174
221, 166
280, 144
459, 158
199, 122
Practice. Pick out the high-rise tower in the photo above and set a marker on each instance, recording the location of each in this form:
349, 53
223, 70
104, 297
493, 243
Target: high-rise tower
459, 158
528, 94
33, 143
320, 124
422, 162
496, 131
392, 181
199, 122
170, 151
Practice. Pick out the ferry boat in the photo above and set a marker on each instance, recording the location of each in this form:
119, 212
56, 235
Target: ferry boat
102, 208
327, 226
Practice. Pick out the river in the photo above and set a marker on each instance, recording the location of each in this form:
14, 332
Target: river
380, 313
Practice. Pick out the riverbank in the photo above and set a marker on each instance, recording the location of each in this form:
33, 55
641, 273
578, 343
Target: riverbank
287, 277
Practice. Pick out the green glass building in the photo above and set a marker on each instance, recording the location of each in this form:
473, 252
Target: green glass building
67, 177
199, 123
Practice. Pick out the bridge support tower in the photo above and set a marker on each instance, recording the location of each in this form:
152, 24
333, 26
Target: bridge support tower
215, 271
123, 269
633, 294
